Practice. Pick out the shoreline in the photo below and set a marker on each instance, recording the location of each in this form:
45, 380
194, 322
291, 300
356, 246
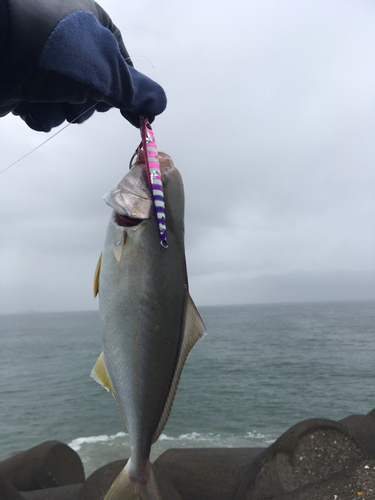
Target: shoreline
314, 459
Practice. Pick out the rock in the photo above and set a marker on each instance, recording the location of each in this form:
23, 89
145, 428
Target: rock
97, 485
7, 491
362, 427
59, 493
206, 473
304, 455
316, 459
47, 465
356, 482
166, 489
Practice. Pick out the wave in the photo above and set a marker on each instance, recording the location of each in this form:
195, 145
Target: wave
220, 439
77, 443
96, 451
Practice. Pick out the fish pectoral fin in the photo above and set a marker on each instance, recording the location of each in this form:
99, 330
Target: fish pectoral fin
193, 330
99, 373
97, 275
117, 249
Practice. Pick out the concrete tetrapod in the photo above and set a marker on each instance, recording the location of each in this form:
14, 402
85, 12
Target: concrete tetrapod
47, 465
362, 427
7, 491
316, 459
306, 454
206, 473
97, 485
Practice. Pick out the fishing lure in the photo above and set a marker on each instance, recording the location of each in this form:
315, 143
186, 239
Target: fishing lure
156, 185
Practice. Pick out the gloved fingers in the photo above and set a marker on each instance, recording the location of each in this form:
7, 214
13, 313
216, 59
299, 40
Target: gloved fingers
102, 69
82, 49
134, 118
149, 97
64, 56
43, 116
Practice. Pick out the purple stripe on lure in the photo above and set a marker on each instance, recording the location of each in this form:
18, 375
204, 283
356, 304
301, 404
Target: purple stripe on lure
156, 185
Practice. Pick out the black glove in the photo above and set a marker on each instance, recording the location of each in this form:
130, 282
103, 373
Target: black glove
61, 57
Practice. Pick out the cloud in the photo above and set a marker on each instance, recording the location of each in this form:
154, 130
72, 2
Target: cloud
227, 289
270, 119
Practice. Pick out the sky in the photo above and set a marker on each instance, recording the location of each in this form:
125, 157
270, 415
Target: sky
271, 122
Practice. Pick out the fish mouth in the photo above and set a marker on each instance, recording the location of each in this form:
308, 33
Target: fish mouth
126, 221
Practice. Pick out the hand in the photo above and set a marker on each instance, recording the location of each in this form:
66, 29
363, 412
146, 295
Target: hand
62, 58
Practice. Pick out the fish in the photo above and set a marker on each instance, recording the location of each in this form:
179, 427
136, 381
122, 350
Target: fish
150, 323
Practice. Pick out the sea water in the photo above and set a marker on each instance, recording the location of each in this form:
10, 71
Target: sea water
259, 370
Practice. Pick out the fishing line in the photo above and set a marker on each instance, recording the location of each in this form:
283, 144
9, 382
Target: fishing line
148, 60
49, 138
68, 124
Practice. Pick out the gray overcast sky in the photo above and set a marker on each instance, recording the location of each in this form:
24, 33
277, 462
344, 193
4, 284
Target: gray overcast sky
271, 122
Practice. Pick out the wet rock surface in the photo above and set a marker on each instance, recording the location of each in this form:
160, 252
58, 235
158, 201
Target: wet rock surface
315, 459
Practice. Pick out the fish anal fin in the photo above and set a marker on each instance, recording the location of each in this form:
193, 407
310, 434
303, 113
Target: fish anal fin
193, 330
97, 275
99, 374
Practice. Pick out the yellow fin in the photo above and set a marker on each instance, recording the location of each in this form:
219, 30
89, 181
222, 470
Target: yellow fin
100, 374
194, 329
97, 275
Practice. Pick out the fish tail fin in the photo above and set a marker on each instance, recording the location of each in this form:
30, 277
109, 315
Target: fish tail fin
130, 487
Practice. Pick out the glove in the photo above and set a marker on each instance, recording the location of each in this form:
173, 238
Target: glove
63, 58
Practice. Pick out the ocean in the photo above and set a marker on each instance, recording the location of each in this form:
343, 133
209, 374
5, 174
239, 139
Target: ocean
259, 370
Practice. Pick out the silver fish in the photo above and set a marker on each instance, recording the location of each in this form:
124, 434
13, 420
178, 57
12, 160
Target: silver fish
150, 321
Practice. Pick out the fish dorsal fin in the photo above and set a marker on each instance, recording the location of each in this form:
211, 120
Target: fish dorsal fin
97, 275
193, 330
100, 374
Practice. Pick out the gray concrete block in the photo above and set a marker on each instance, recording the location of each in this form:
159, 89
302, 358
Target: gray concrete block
357, 482
59, 493
47, 465
7, 491
305, 454
97, 485
206, 473
362, 427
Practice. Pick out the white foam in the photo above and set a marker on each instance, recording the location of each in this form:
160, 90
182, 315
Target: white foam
191, 437
96, 451
164, 437
196, 436
77, 443
257, 435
